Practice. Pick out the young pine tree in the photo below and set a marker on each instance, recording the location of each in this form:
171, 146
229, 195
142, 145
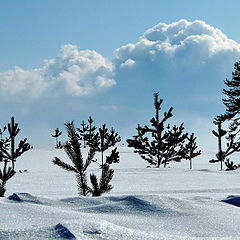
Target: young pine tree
9, 154
233, 145
73, 149
159, 144
56, 134
191, 147
232, 101
87, 132
101, 141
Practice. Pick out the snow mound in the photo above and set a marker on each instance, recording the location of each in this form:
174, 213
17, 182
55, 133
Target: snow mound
63, 232
26, 197
15, 197
129, 204
56, 232
233, 200
116, 217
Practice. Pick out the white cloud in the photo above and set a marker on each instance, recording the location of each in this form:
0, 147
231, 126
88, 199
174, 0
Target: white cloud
179, 44
72, 73
127, 63
186, 62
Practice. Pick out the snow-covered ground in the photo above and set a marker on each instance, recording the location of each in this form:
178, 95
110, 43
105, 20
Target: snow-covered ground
146, 203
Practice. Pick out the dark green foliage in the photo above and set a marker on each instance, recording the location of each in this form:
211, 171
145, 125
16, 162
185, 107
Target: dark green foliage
104, 183
100, 141
232, 103
93, 140
113, 157
105, 139
230, 165
64, 165
59, 145
219, 134
233, 145
87, 133
232, 100
159, 144
73, 149
56, 134
9, 153
191, 147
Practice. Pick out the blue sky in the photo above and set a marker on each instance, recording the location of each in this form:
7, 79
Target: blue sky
66, 60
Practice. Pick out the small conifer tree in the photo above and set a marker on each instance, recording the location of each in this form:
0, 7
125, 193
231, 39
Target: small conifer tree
164, 144
56, 134
232, 101
100, 141
191, 147
73, 149
233, 145
2, 142
87, 132
105, 139
9, 153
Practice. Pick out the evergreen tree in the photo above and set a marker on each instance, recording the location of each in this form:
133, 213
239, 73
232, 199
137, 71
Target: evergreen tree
191, 146
9, 154
100, 141
232, 100
73, 149
233, 145
105, 139
87, 132
103, 185
164, 144
91, 139
2, 141
56, 134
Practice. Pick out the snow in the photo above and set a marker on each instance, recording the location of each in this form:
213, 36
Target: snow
146, 203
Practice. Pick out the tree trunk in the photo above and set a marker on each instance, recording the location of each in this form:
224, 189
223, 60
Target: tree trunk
220, 145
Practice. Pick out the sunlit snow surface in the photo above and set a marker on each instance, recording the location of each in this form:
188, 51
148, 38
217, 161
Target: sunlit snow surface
146, 203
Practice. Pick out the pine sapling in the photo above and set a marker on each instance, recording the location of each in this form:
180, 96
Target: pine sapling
191, 147
56, 134
159, 144
2, 141
233, 145
103, 186
9, 154
73, 149
101, 141
87, 132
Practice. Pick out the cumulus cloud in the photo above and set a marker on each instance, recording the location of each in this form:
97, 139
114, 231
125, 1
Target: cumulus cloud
179, 43
72, 73
185, 61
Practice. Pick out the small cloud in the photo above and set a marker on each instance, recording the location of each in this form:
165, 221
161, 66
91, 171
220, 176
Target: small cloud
127, 63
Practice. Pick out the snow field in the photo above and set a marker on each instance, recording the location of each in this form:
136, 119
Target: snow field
145, 203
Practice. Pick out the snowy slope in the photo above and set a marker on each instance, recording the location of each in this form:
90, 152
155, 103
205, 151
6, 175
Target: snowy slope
146, 203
